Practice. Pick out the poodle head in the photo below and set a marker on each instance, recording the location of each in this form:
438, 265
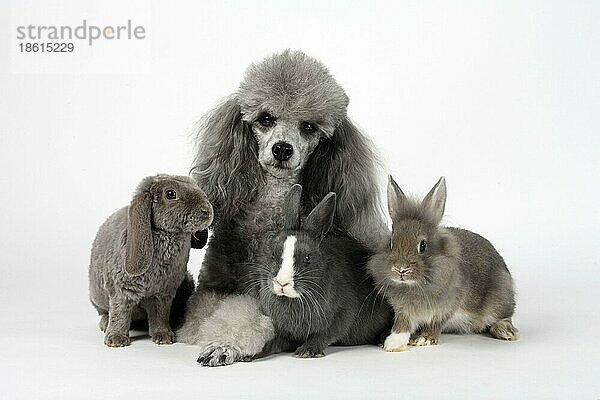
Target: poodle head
291, 103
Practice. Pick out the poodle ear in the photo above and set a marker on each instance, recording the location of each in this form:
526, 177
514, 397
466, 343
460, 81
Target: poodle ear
139, 247
435, 201
226, 165
320, 219
395, 198
291, 212
345, 164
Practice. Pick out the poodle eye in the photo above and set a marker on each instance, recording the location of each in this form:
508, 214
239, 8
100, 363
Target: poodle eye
266, 120
307, 259
171, 194
308, 127
422, 246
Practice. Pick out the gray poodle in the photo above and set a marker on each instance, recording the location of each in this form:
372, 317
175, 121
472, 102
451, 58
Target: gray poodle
286, 124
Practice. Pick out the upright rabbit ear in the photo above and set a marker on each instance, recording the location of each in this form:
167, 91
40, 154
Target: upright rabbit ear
291, 213
139, 247
435, 201
320, 219
395, 198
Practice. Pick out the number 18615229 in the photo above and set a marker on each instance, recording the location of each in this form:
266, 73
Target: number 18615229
46, 47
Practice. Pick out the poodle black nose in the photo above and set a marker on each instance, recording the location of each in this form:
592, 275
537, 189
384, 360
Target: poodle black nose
282, 151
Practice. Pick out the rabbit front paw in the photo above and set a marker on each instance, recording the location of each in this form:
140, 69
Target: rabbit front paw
424, 340
116, 340
396, 342
164, 337
309, 351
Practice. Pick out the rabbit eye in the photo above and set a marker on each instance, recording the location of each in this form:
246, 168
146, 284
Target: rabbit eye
308, 127
307, 259
266, 120
422, 246
171, 194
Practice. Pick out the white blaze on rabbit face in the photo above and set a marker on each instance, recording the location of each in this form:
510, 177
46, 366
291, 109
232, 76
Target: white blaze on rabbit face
283, 283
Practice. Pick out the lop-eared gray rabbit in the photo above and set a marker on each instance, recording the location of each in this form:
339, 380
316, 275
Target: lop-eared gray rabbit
140, 254
315, 285
439, 279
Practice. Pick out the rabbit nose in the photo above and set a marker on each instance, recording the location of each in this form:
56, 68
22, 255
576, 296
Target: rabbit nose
282, 151
401, 271
282, 284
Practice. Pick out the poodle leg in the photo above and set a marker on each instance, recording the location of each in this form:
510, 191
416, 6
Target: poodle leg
158, 309
200, 306
229, 328
119, 318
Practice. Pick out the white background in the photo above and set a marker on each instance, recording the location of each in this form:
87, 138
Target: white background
503, 98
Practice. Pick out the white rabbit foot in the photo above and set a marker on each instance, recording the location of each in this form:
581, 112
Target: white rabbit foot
164, 337
396, 342
215, 355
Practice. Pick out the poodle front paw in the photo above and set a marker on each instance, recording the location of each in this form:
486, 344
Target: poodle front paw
217, 355
164, 337
116, 340
396, 342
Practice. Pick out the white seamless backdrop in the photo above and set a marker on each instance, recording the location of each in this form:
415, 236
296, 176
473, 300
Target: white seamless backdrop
502, 98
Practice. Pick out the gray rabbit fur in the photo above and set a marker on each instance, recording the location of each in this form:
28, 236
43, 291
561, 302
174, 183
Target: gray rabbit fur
315, 285
139, 257
439, 279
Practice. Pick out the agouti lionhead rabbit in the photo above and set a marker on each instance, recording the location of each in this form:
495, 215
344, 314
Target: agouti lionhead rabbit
439, 279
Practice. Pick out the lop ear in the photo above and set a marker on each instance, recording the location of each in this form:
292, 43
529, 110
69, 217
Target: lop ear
396, 198
291, 212
139, 247
435, 201
320, 219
